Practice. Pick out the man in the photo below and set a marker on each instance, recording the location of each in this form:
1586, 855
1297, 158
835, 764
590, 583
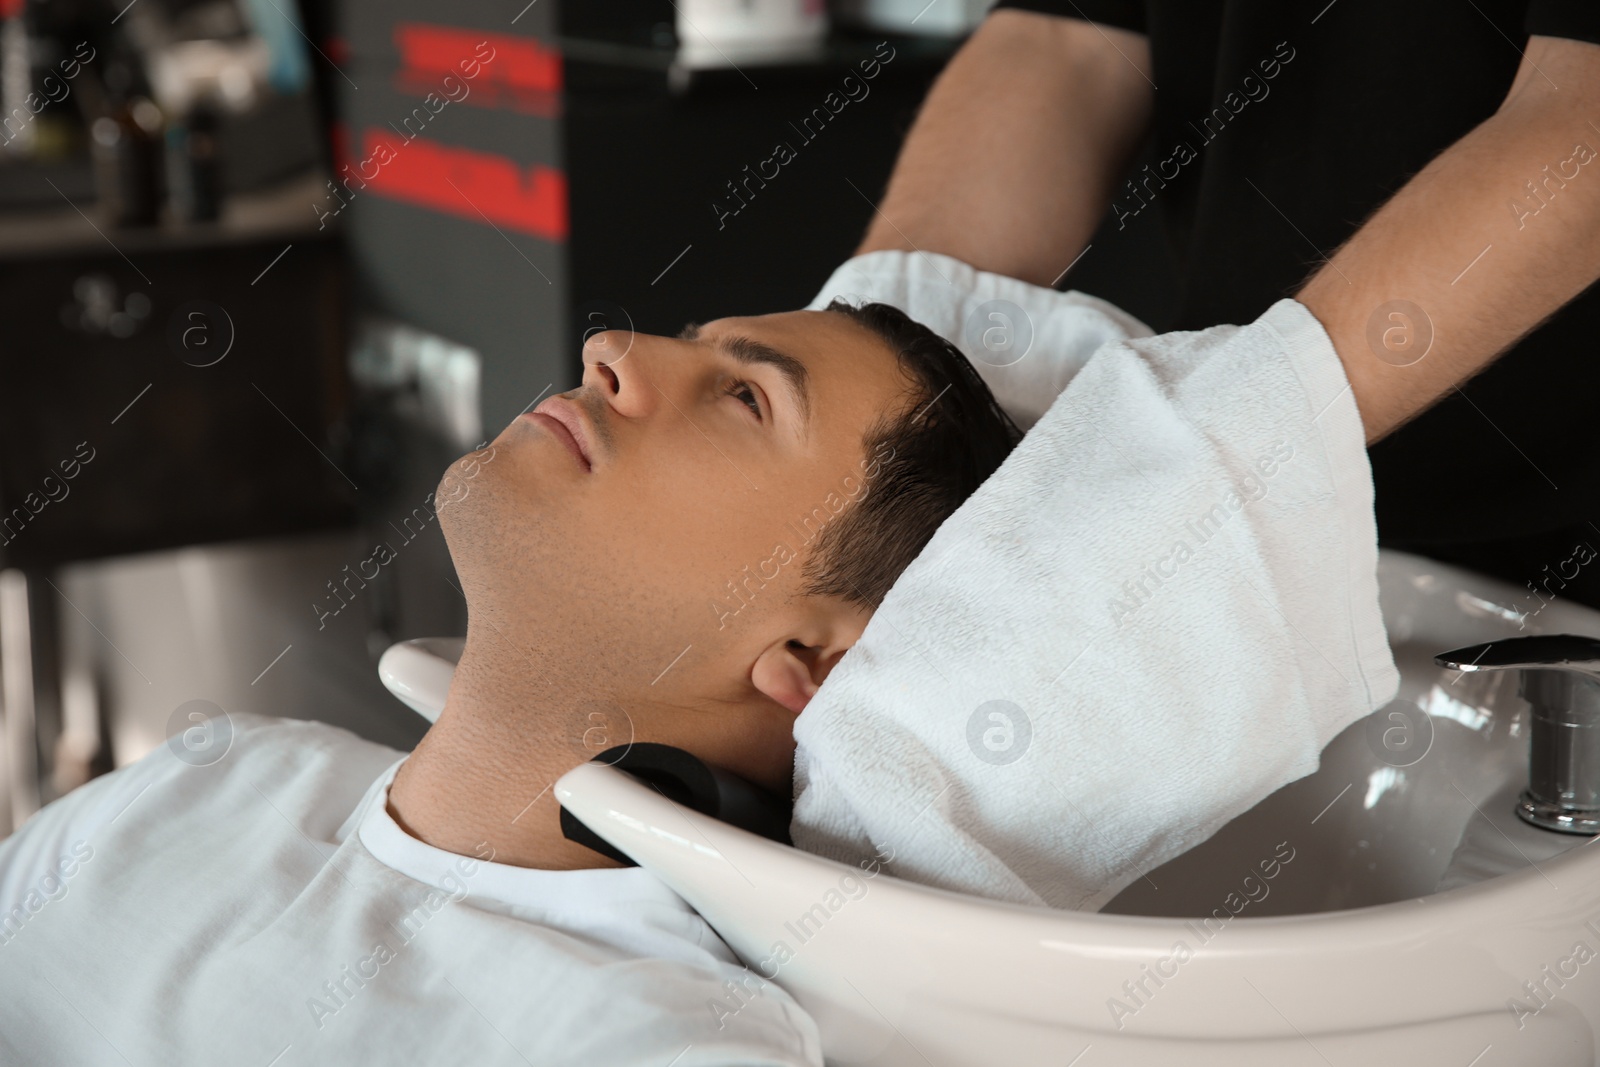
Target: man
1463, 135
677, 551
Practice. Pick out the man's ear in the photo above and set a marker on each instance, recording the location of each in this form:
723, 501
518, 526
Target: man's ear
790, 672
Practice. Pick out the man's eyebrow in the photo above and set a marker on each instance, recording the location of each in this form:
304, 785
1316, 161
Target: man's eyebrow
749, 351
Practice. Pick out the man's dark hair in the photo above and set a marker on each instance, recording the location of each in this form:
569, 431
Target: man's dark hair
934, 453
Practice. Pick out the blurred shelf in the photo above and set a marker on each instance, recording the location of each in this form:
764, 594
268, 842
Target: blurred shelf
285, 211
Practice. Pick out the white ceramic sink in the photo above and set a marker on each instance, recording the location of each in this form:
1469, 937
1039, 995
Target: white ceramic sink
1347, 954
1388, 820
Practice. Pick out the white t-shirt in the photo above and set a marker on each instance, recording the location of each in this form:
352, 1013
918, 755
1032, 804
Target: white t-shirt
265, 909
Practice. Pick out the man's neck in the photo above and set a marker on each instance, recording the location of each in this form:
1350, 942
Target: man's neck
480, 783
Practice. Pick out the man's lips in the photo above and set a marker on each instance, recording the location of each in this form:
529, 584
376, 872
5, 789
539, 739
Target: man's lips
565, 423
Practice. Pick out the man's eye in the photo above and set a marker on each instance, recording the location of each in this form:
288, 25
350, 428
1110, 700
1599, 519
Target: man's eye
746, 395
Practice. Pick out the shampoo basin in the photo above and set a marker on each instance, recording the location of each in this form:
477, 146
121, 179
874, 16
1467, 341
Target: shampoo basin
1388, 908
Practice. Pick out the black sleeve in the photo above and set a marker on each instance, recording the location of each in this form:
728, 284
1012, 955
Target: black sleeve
1123, 14
1576, 19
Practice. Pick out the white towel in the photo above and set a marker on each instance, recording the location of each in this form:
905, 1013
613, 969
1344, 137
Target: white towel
1155, 614
1025, 342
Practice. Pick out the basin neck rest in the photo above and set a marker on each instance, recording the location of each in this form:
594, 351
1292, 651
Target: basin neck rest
684, 778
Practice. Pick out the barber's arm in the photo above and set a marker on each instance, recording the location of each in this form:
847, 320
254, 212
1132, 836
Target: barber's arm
1013, 158
1468, 243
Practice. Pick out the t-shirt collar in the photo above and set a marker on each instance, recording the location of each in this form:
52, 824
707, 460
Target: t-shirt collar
601, 888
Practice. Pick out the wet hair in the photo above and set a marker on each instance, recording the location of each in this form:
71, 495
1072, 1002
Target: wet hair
931, 455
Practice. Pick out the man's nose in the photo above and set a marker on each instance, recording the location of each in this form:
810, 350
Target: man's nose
617, 363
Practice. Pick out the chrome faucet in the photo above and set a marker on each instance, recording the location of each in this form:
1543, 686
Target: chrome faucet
1561, 680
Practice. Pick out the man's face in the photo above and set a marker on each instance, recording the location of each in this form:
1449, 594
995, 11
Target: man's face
657, 574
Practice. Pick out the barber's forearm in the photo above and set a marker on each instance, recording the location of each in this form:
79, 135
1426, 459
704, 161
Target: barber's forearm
1013, 157
1481, 272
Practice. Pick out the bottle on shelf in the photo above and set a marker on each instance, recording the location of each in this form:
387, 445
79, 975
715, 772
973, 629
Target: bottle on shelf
126, 143
194, 165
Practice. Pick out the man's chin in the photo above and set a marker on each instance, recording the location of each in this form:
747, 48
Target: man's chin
490, 531
469, 474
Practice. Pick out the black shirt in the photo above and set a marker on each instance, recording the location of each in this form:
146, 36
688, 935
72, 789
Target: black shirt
1279, 129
